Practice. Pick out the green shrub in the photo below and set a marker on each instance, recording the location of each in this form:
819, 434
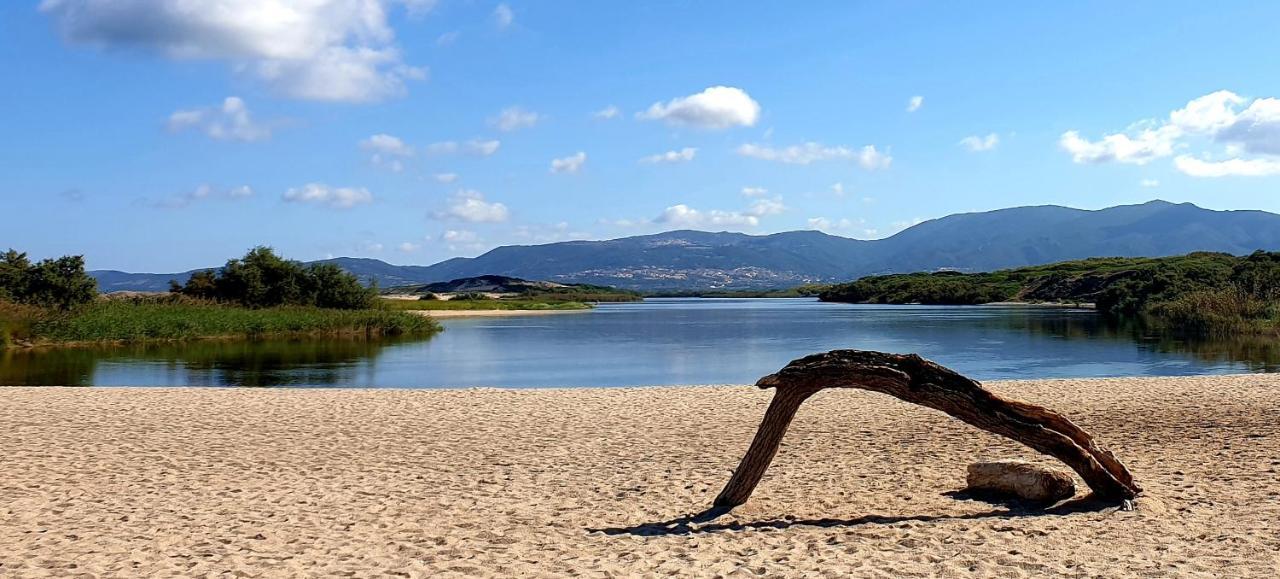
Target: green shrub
60, 283
261, 279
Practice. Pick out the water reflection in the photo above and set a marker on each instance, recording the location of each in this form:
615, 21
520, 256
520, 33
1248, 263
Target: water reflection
206, 363
670, 341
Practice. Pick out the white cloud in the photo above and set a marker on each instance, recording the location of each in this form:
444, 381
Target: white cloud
867, 157
482, 147
1140, 149
462, 240
387, 151
765, 207
1217, 116
571, 164
321, 194
204, 192
445, 177
409, 247
977, 144
606, 113
229, 122
470, 206
682, 156
514, 118
387, 145
1149, 183
335, 50
915, 103
754, 191
718, 107
684, 216
837, 189
1229, 168
503, 16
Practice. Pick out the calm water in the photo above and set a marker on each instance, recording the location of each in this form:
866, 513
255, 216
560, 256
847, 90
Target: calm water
659, 341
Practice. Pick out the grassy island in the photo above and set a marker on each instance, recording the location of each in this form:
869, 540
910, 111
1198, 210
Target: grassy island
1202, 293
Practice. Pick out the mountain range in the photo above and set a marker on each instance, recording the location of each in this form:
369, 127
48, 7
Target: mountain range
699, 260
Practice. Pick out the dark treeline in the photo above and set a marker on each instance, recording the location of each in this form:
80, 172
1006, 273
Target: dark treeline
60, 283
262, 279
1199, 292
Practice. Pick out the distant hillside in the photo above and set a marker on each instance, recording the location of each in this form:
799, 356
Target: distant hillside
697, 260
539, 290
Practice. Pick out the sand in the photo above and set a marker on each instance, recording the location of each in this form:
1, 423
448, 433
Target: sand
200, 482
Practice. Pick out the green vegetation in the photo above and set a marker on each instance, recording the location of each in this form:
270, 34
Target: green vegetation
261, 279
174, 318
260, 295
485, 303
1201, 293
803, 291
583, 293
52, 283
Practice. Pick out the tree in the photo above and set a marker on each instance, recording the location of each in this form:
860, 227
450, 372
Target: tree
262, 279
58, 283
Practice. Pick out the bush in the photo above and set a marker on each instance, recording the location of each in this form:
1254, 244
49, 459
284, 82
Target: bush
60, 283
261, 279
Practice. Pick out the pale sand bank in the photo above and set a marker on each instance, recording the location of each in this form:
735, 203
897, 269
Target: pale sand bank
198, 482
491, 313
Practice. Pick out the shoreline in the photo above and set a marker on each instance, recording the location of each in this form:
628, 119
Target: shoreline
491, 313
600, 481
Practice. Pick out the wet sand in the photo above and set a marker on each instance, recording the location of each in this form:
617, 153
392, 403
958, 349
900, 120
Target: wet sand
199, 482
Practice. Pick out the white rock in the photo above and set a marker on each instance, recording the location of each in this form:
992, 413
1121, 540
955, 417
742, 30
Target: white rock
1022, 479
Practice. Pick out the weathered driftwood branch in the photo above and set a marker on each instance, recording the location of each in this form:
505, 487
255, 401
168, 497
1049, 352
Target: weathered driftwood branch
919, 381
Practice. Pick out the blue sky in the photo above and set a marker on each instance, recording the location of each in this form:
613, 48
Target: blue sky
155, 135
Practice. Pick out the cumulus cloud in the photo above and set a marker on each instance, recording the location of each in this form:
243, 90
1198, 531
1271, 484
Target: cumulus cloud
754, 191
462, 240
1237, 123
334, 50
867, 157
204, 192
718, 107
1149, 183
387, 151
682, 215
469, 206
445, 177
514, 118
1194, 167
503, 16
448, 38
606, 113
229, 122
915, 103
408, 247
977, 144
571, 164
682, 156
321, 194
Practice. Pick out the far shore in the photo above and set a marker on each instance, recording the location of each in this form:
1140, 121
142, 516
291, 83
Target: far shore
491, 313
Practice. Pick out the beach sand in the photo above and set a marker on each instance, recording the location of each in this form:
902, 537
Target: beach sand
201, 482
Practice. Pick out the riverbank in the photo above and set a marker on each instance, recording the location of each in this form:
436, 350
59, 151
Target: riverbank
492, 313
144, 482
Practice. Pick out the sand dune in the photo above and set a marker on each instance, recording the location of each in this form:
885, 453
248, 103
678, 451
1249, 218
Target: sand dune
197, 482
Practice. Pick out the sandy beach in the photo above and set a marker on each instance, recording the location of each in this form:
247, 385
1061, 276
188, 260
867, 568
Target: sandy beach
203, 482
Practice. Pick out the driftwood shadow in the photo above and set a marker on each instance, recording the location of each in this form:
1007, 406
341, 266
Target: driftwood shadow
702, 523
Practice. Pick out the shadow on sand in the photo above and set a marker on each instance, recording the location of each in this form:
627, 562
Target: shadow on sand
702, 522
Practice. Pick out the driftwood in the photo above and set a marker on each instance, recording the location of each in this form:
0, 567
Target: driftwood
919, 381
